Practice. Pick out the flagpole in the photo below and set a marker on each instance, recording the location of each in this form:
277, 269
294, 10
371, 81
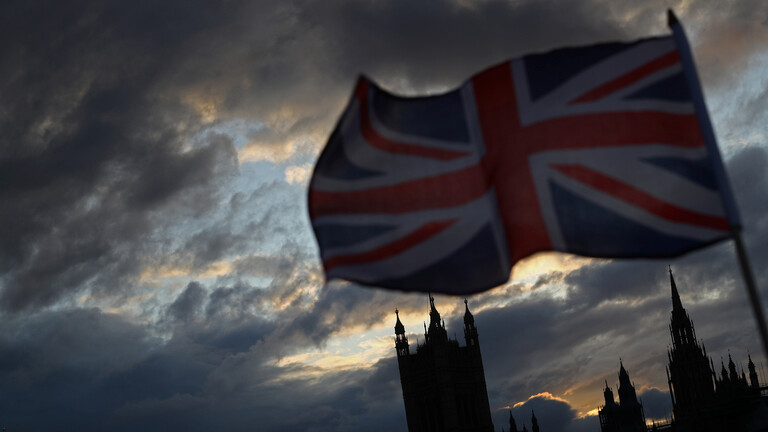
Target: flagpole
754, 295
694, 86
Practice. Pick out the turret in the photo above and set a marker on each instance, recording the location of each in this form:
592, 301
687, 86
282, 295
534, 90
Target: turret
677, 304
470, 331
627, 393
608, 395
723, 372
732, 374
534, 422
753, 381
436, 331
512, 424
401, 341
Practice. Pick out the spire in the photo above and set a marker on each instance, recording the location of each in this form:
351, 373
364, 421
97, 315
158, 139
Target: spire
534, 422
753, 381
469, 319
681, 326
623, 375
399, 327
733, 374
436, 330
401, 341
608, 395
676, 303
512, 424
723, 371
627, 394
434, 315
470, 331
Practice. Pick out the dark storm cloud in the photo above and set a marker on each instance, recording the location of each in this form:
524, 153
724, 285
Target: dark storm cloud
89, 370
87, 154
265, 216
656, 404
421, 41
546, 345
100, 108
188, 303
604, 281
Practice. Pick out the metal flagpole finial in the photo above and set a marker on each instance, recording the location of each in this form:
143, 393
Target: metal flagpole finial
671, 18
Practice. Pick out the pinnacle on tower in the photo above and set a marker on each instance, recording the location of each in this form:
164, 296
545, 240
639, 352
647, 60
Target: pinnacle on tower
436, 330
627, 394
753, 380
468, 317
512, 423
534, 422
401, 341
434, 315
399, 327
676, 303
733, 374
470, 331
681, 326
723, 372
608, 395
623, 375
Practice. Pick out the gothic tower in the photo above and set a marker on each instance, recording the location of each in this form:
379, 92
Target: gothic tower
690, 376
633, 418
627, 415
401, 342
443, 383
702, 399
753, 381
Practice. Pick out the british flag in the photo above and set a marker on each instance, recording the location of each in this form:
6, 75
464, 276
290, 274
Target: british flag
595, 151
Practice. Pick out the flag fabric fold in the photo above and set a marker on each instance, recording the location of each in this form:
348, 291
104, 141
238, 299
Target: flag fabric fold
596, 151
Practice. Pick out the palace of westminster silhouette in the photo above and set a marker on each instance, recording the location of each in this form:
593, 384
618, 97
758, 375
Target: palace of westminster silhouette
444, 385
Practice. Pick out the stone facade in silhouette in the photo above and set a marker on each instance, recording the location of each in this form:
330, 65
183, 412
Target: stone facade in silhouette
625, 416
443, 383
513, 424
702, 400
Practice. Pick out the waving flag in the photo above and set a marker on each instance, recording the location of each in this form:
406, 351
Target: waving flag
596, 151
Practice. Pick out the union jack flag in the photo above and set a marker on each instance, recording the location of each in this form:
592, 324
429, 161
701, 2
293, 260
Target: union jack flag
595, 151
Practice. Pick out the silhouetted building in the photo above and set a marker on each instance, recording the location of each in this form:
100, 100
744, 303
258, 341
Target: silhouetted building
625, 416
443, 383
534, 422
512, 423
702, 401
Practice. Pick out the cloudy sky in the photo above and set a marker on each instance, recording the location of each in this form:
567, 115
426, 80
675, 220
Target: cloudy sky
157, 267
